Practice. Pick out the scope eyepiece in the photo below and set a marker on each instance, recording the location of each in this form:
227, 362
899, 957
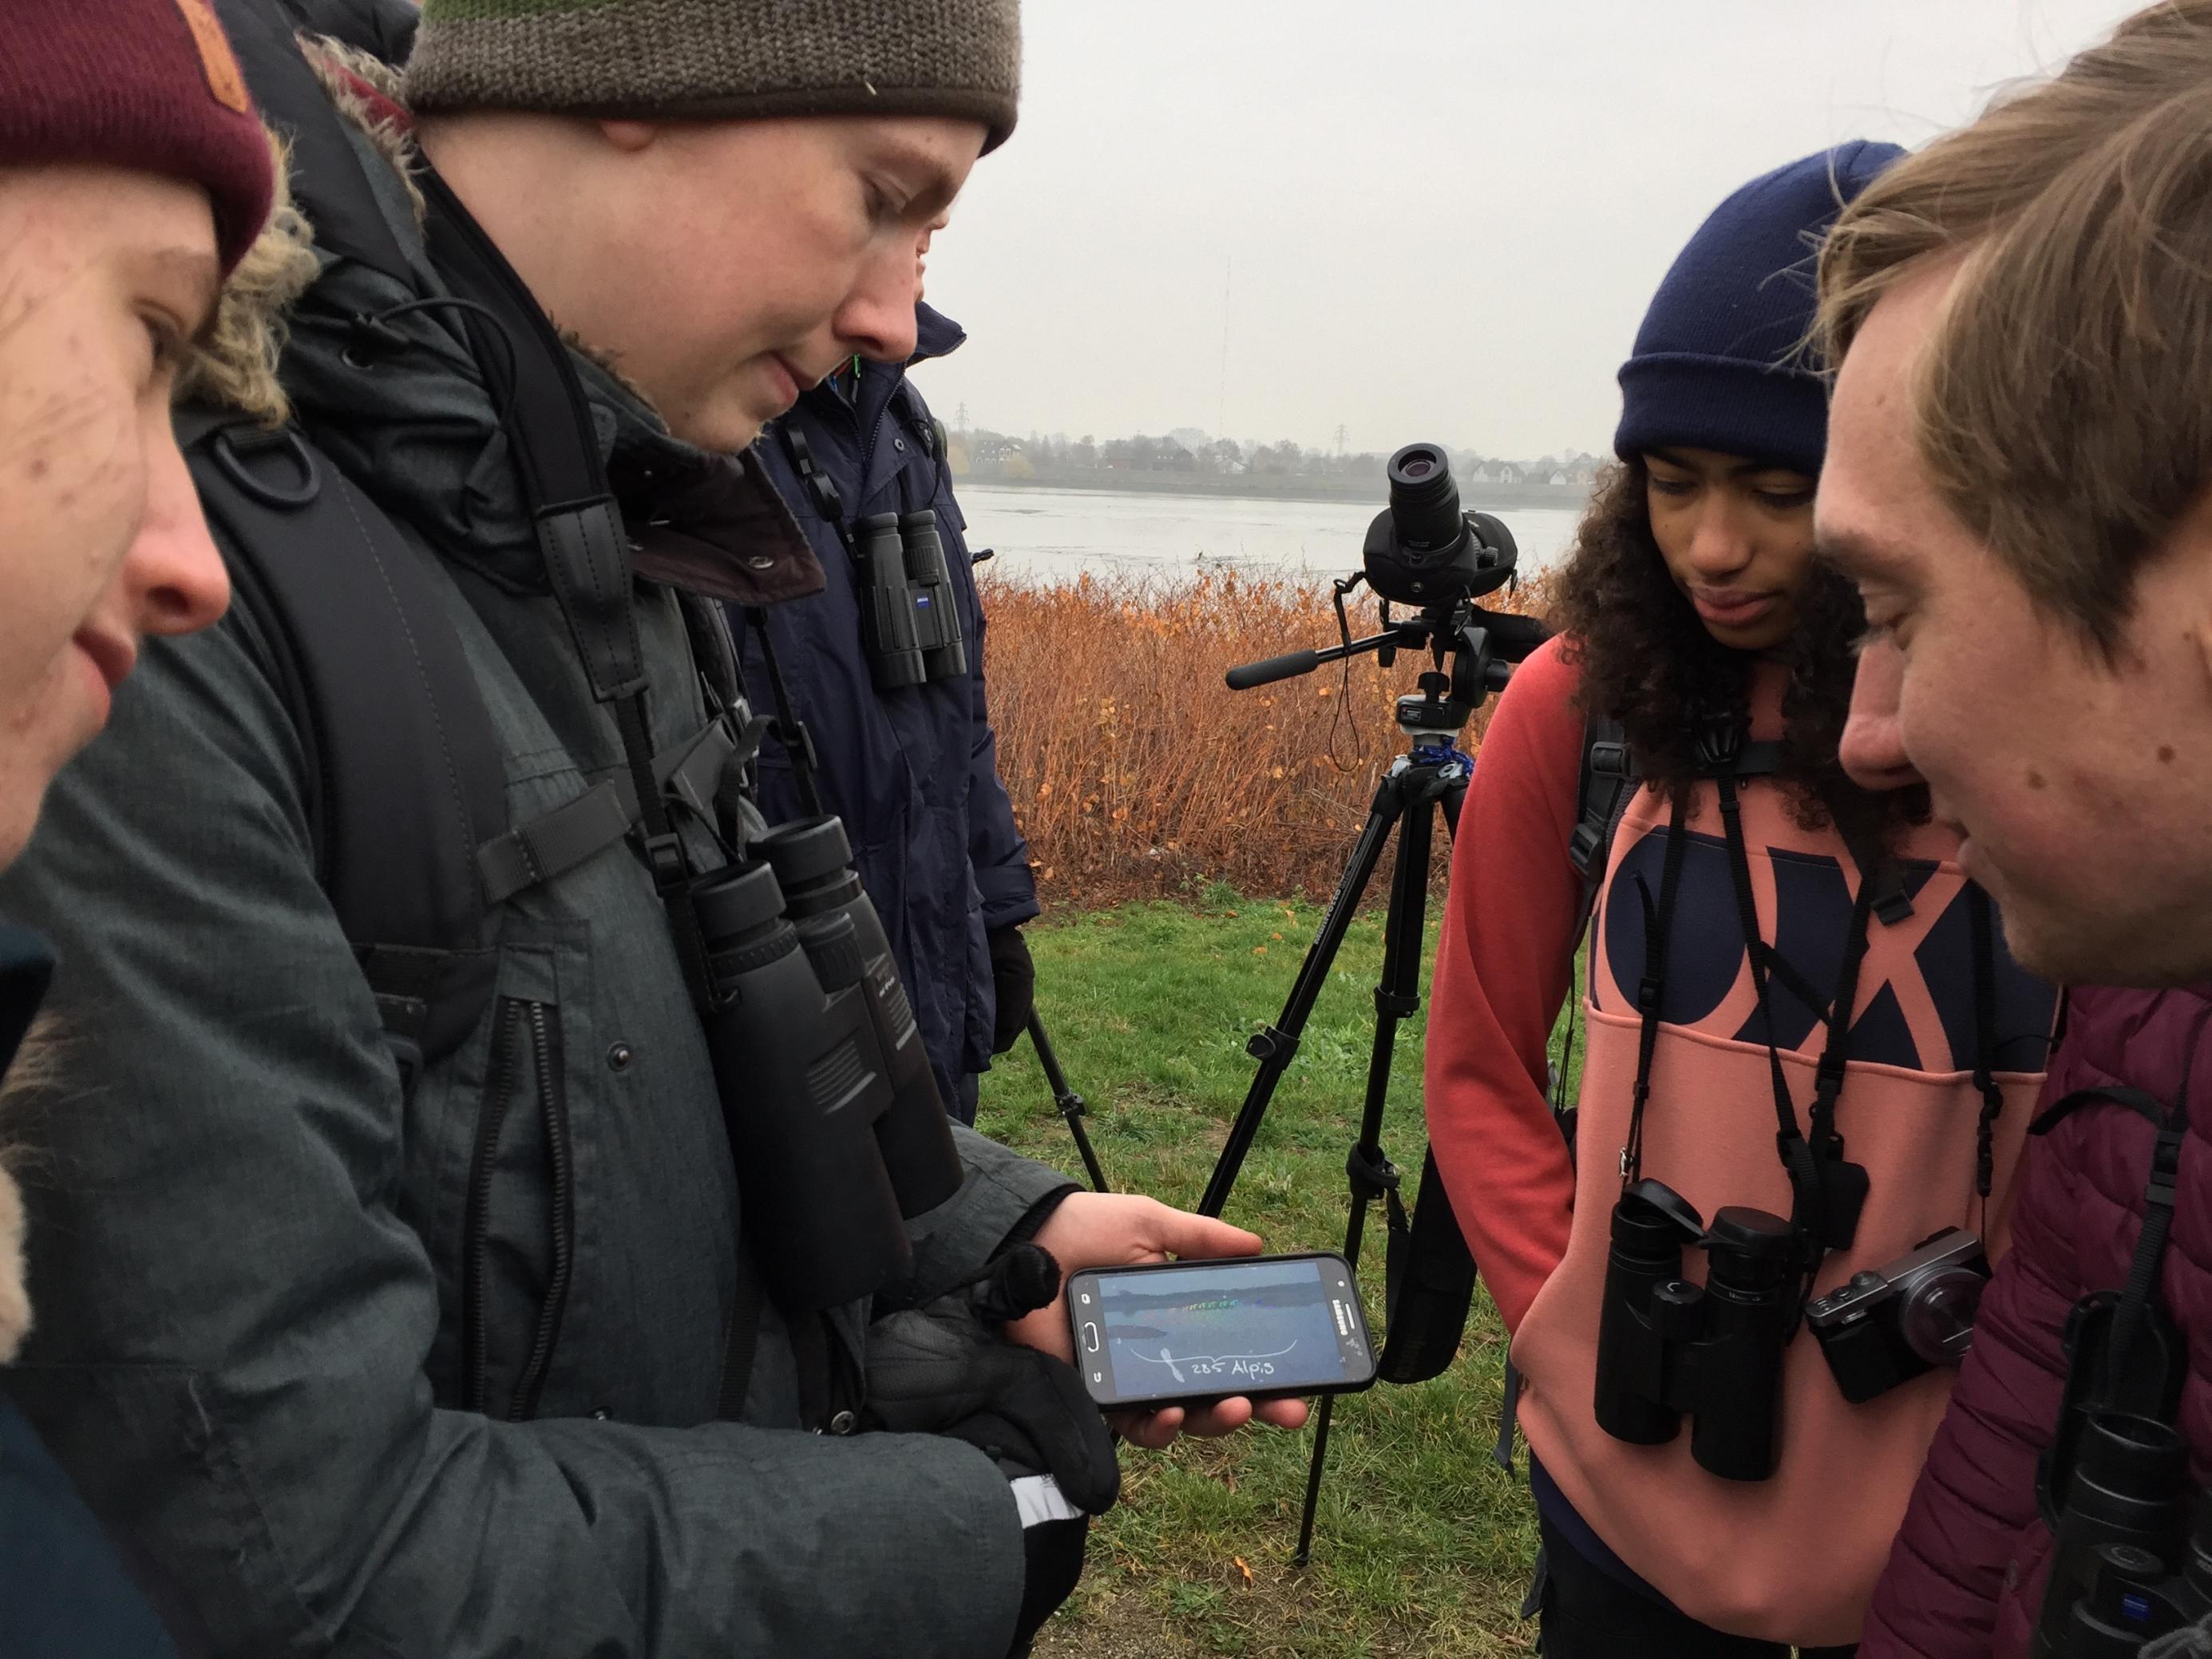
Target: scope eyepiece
1424, 499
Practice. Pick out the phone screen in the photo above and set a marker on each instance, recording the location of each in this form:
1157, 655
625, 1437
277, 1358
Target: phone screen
1220, 1329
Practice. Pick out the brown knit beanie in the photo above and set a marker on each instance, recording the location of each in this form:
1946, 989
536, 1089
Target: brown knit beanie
722, 59
150, 85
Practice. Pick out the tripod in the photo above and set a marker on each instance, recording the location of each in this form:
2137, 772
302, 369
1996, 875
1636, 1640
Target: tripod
1432, 772
1072, 1107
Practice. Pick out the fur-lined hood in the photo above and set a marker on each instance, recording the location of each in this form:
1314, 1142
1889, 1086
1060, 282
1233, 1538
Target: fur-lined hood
235, 365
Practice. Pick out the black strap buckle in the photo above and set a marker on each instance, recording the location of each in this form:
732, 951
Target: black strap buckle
1719, 743
1609, 760
1828, 1079
664, 855
2165, 1167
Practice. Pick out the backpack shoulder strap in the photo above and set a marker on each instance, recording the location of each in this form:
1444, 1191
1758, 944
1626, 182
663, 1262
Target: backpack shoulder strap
405, 775
1608, 783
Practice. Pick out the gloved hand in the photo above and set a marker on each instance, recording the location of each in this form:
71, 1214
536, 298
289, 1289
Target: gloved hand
1013, 978
946, 1368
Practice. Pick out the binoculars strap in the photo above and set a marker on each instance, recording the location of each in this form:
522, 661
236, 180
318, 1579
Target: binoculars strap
2144, 1267
1826, 1195
790, 731
1658, 924
549, 423
1982, 920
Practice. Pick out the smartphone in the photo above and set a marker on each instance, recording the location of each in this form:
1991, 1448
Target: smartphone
1186, 1332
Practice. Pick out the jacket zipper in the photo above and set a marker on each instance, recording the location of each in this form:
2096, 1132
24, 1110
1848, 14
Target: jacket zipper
553, 1108
476, 1221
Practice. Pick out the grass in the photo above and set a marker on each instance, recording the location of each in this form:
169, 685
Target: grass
1423, 1544
1135, 772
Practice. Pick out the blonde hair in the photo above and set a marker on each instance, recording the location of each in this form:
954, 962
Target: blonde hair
2063, 407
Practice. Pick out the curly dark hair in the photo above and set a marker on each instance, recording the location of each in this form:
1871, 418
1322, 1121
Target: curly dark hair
1647, 660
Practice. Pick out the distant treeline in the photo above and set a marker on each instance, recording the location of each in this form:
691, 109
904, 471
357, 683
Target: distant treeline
1188, 455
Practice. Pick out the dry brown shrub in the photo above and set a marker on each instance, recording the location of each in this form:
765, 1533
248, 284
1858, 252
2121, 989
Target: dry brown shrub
1135, 772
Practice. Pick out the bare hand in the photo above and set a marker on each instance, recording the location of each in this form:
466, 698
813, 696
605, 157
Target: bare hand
1120, 1229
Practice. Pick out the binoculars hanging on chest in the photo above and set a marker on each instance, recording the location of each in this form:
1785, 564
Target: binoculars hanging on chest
834, 1117
909, 611
1668, 1349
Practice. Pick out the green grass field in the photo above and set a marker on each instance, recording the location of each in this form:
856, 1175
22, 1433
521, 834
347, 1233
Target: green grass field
1423, 1544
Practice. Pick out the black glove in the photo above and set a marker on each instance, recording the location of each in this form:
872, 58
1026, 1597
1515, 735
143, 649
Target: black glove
948, 1369
1013, 977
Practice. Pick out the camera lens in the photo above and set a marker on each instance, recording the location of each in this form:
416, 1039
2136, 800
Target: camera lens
1420, 467
1937, 1319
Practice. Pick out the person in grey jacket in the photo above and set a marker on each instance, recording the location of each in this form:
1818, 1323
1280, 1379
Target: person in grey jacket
442, 1359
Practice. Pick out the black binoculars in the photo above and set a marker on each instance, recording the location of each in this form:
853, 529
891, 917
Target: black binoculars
834, 1117
910, 619
2126, 1565
1666, 1349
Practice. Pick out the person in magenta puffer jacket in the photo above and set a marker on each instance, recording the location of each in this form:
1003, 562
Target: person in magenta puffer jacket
1967, 1573
2018, 470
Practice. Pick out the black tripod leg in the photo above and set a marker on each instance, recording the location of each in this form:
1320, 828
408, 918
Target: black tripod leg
1070, 1104
1275, 1047
1397, 997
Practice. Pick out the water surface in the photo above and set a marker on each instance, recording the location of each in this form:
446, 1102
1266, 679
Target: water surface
1052, 535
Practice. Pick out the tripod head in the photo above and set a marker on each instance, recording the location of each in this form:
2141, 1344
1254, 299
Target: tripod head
1424, 552
1473, 652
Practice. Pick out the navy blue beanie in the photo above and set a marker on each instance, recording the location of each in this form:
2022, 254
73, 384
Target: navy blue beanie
1720, 361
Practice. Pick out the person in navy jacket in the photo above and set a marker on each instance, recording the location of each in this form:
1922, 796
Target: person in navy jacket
913, 771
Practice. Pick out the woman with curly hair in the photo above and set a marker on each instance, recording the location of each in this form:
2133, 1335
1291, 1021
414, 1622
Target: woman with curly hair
1801, 1023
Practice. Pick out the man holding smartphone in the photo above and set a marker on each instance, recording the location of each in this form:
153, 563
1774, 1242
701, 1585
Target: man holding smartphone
400, 1295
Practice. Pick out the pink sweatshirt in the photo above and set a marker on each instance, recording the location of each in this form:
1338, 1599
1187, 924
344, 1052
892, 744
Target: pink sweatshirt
1792, 1558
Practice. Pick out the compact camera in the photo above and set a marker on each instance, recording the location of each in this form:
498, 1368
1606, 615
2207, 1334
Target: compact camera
1890, 1324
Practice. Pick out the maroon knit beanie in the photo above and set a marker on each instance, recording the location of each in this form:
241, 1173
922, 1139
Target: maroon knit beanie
147, 84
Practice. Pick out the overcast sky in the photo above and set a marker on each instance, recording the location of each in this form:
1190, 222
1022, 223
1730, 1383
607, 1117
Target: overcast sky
1436, 219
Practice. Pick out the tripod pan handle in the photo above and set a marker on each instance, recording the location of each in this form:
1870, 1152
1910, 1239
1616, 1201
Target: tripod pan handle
1245, 676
